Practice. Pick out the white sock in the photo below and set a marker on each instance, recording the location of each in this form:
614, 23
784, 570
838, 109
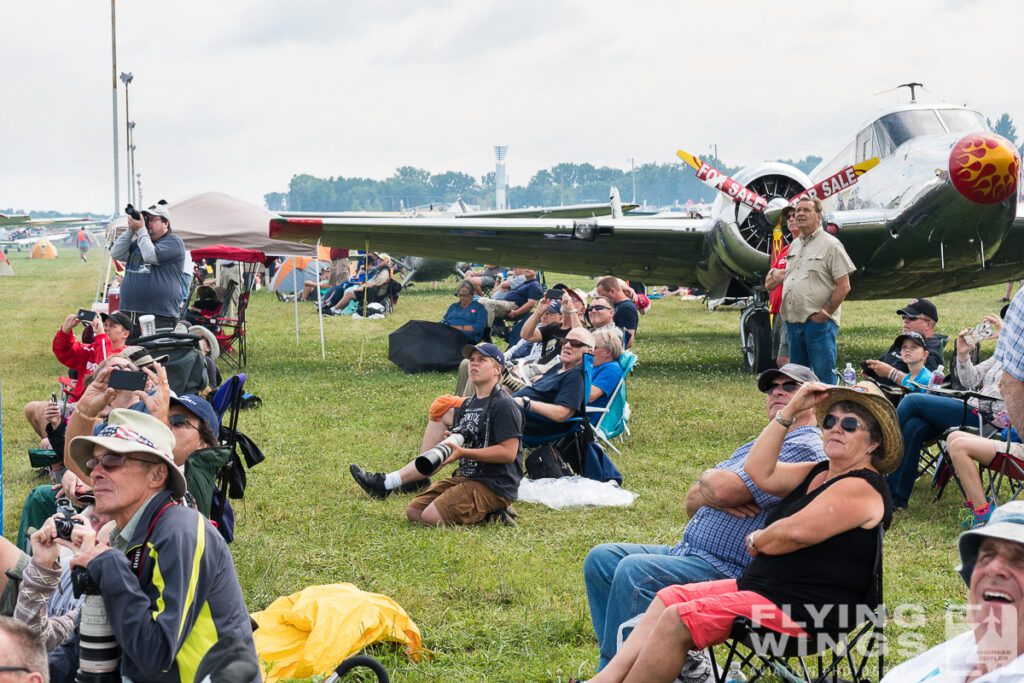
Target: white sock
392, 480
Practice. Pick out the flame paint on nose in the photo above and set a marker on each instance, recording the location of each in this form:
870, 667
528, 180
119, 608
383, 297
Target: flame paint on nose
985, 168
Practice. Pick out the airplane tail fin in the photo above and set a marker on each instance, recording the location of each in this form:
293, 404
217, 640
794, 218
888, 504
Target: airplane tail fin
615, 202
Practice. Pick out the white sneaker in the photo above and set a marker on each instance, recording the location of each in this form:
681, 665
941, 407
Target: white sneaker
697, 667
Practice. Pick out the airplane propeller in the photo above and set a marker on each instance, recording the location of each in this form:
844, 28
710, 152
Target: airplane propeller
772, 210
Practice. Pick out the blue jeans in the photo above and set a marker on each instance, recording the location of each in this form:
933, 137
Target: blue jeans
923, 417
622, 579
814, 345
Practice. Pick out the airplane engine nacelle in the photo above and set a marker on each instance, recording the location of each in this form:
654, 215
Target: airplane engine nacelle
741, 239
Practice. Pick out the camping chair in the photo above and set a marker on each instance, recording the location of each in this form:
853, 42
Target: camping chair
576, 433
232, 479
846, 656
615, 415
231, 335
185, 365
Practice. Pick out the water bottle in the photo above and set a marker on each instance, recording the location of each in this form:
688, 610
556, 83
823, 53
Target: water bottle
937, 377
735, 674
849, 375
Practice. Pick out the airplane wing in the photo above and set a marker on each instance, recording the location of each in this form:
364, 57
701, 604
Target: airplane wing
571, 211
666, 250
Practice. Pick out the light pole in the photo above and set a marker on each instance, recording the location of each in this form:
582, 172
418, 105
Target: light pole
113, 78
126, 78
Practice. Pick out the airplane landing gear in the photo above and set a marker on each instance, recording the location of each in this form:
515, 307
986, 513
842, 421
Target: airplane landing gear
756, 336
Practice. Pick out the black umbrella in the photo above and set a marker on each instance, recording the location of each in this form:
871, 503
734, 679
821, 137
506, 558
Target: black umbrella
421, 346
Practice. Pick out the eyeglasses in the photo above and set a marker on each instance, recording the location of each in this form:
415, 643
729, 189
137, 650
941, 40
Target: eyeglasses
598, 307
576, 344
112, 461
15, 668
848, 424
788, 387
177, 420
912, 318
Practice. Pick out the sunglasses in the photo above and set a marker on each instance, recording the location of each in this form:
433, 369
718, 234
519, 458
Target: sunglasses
911, 318
598, 308
788, 387
112, 461
848, 424
576, 344
180, 421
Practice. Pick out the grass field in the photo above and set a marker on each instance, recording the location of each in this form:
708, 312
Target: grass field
493, 603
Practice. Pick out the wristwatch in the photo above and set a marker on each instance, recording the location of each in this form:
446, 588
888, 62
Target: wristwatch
783, 421
526, 403
750, 542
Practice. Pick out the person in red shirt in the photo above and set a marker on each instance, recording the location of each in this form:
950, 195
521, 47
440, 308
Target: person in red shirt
773, 283
109, 336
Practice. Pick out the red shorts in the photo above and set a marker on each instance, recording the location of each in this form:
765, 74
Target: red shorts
708, 609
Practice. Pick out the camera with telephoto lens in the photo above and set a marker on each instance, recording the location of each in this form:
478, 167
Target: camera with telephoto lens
430, 460
133, 212
63, 520
99, 655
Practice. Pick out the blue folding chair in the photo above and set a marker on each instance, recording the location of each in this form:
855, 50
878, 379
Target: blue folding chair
614, 416
572, 426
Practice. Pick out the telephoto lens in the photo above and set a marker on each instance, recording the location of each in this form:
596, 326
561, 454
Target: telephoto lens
99, 655
133, 212
429, 461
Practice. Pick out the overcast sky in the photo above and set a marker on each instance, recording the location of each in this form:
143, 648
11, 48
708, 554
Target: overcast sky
238, 96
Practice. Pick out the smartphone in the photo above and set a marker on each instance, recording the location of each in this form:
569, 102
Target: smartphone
979, 333
126, 379
554, 294
86, 315
53, 397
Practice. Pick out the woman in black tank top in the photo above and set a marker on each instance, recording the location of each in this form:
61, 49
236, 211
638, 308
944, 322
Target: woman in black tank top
815, 559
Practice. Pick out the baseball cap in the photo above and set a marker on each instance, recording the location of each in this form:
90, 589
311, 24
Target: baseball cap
201, 408
118, 318
159, 210
555, 307
915, 337
1006, 523
920, 307
487, 349
129, 431
799, 373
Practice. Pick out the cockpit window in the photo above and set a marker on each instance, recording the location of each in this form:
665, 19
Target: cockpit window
962, 120
903, 125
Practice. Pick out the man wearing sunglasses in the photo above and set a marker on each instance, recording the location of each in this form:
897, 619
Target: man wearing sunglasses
600, 313
920, 316
724, 506
22, 655
626, 316
167, 579
557, 395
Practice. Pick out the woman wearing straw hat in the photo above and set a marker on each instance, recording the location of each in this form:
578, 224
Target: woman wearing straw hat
814, 562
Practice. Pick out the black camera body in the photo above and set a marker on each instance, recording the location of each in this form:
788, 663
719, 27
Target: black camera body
63, 520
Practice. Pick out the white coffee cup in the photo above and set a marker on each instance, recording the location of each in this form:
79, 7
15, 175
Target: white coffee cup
147, 325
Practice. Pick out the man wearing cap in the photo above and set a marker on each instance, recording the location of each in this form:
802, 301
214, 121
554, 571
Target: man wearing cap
518, 301
773, 283
153, 261
817, 280
724, 507
167, 579
919, 316
490, 459
992, 566
109, 336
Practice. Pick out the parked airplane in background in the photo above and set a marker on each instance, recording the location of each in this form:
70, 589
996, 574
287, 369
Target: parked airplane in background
938, 213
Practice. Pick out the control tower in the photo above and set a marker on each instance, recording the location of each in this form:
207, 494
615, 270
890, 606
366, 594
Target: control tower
500, 184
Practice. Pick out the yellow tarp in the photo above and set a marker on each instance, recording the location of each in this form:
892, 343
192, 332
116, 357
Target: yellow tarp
312, 631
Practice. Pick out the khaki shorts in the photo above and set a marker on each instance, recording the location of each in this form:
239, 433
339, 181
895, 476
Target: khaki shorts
9, 598
460, 500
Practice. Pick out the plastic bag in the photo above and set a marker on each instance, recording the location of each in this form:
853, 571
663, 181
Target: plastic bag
574, 492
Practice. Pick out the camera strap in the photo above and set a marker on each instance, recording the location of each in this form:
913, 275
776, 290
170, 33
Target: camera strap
137, 554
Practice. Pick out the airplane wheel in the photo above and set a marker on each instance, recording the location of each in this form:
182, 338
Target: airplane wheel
757, 342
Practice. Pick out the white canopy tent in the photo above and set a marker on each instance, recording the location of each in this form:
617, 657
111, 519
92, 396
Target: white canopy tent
213, 218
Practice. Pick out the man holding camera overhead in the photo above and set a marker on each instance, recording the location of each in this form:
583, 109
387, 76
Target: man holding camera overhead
489, 454
153, 260
166, 579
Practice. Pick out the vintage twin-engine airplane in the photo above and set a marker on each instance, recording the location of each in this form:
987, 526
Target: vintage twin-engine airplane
938, 213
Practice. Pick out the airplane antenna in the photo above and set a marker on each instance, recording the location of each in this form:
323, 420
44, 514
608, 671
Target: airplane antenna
913, 90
